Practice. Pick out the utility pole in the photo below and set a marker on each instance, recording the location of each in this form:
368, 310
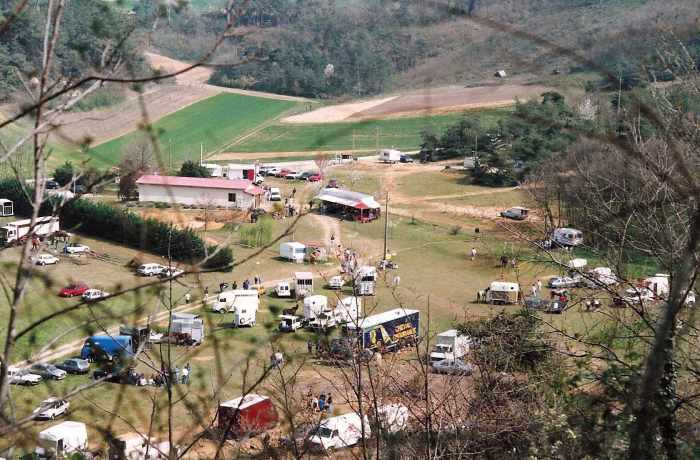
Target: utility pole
353, 141
619, 96
170, 153
201, 153
377, 136
386, 225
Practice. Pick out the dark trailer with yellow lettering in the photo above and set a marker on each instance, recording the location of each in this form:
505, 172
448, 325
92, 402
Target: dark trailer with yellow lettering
387, 331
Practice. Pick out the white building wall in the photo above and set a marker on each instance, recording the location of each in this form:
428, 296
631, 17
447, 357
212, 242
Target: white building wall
194, 196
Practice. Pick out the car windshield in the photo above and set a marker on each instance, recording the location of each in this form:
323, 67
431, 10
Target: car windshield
324, 432
443, 348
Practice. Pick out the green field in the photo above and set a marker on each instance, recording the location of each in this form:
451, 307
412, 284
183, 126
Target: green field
215, 122
402, 133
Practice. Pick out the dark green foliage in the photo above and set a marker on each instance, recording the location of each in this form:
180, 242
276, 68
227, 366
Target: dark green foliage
64, 173
87, 27
191, 169
221, 260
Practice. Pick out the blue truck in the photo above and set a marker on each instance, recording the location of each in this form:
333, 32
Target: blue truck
387, 331
111, 346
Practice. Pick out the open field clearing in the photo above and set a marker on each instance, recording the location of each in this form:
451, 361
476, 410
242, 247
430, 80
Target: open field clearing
404, 133
214, 122
425, 102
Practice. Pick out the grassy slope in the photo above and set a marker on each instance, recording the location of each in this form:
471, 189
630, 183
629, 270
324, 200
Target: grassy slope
403, 133
214, 122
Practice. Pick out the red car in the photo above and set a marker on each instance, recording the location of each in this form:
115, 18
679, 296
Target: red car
283, 172
74, 289
314, 178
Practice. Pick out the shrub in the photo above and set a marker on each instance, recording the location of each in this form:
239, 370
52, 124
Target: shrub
222, 260
455, 229
258, 234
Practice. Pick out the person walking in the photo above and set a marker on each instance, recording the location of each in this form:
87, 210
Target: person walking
514, 263
534, 290
235, 285
397, 280
176, 378
504, 261
206, 291
185, 375
472, 253
329, 405
539, 286
188, 297
309, 346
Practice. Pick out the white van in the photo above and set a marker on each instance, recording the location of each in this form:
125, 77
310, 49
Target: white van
275, 194
390, 156
567, 237
283, 289
365, 280
342, 431
150, 269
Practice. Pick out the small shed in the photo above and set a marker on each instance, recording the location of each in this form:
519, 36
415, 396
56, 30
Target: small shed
6, 208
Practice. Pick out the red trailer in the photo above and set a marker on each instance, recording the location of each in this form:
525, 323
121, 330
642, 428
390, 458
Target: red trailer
247, 415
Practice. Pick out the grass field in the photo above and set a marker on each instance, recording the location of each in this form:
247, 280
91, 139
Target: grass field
215, 122
402, 133
447, 182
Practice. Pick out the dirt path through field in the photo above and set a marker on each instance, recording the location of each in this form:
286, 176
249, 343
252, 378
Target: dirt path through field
224, 156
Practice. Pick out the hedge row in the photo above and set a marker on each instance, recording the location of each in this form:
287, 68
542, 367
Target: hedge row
124, 227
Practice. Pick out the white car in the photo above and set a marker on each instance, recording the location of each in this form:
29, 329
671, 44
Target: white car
51, 408
638, 295
150, 269
275, 194
155, 337
259, 179
452, 367
171, 272
76, 248
294, 175
272, 171
561, 282
336, 282
45, 259
22, 377
94, 294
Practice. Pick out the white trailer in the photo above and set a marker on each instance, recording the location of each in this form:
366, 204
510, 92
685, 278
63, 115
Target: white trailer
365, 280
283, 289
567, 237
293, 251
502, 292
245, 308
390, 156
348, 310
235, 171
393, 417
62, 439
134, 446
6, 208
303, 284
450, 345
314, 305
342, 431
189, 325
228, 301
15, 231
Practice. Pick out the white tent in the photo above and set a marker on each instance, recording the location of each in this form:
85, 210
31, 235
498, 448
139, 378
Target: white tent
61, 439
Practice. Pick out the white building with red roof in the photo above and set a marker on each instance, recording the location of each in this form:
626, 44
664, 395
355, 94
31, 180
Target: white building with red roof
200, 191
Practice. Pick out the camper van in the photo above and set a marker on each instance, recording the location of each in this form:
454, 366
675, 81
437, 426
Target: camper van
303, 284
342, 431
365, 280
228, 301
62, 439
502, 292
293, 251
390, 156
567, 237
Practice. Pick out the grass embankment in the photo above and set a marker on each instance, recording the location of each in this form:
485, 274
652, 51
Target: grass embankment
213, 122
401, 133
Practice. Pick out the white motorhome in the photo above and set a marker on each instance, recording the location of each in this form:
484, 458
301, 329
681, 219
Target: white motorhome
567, 237
189, 325
342, 431
365, 280
62, 439
227, 301
658, 285
348, 310
393, 417
14, 231
450, 345
293, 251
303, 284
390, 156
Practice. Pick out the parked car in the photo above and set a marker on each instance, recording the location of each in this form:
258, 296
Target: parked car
18, 376
516, 213
150, 269
275, 194
51, 408
75, 366
333, 183
75, 248
259, 179
405, 159
271, 171
291, 175
314, 178
155, 337
73, 289
92, 295
559, 282
282, 172
170, 272
51, 185
48, 371
452, 367
45, 259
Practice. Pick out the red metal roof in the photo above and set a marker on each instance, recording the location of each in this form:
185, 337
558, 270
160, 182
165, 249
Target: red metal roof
201, 182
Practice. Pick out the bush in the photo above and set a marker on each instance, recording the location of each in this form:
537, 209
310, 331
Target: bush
222, 260
258, 234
